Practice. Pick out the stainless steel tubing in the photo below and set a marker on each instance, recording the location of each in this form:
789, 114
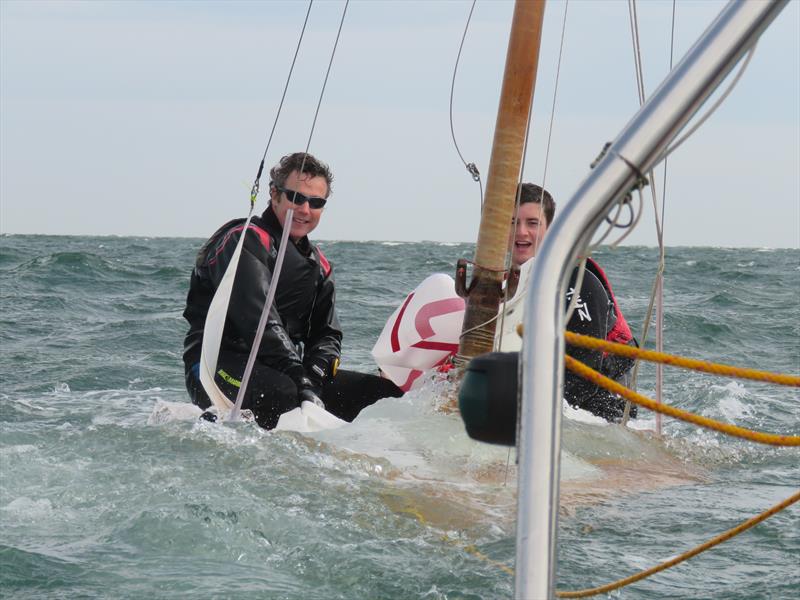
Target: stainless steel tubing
634, 151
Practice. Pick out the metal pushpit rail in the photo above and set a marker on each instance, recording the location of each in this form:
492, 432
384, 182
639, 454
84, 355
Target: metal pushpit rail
636, 150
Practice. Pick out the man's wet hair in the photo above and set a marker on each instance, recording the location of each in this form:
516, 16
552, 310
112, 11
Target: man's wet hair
530, 192
312, 167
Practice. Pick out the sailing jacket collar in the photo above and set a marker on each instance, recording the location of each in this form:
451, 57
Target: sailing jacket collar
270, 220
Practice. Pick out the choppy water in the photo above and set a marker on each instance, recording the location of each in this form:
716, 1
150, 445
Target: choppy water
104, 495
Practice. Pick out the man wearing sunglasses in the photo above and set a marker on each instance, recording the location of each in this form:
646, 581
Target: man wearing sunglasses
299, 353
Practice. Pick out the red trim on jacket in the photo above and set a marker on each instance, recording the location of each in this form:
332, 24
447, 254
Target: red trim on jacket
263, 236
326, 266
621, 332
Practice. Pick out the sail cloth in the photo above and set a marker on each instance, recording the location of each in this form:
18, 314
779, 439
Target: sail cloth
425, 329
305, 418
215, 324
422, 333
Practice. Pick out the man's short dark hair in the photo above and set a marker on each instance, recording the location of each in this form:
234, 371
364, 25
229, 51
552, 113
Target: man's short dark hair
530, 192
294, 162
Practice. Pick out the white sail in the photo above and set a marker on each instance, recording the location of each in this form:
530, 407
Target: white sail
212, 332
421, 333
307, 418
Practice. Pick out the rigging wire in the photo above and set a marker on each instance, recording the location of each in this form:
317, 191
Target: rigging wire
284, 239
713, 108
636, 215
256, 183
615, 221
637, 49
664, 156
657, 284
555, 95
657, 291
671, 63
470, 167
327, 74
661, 258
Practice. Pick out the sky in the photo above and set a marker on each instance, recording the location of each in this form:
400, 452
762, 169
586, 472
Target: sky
150, 118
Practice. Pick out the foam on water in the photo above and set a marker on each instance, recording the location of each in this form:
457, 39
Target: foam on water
28, 509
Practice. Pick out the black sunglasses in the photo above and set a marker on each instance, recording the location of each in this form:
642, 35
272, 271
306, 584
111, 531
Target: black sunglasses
299, 199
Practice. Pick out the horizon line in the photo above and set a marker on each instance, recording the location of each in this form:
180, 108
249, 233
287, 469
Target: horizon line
370, 241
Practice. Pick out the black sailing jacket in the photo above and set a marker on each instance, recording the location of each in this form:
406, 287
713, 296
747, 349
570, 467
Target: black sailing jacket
598, 315
303, 311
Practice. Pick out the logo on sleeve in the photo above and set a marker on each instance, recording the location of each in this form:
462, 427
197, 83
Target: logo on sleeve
580, 306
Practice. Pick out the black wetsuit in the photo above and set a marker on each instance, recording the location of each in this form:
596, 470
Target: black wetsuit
301, 344
597, 315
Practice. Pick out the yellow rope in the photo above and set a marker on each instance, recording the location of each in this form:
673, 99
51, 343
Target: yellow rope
686, 555
723, 537
755, 436
477, 553
715, 541
594, 343
688, 363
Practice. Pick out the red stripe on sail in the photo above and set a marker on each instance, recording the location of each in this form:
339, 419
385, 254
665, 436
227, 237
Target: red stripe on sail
396, 327
435, 309
412, 377
443, 346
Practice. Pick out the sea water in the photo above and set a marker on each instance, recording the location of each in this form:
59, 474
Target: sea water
107, 490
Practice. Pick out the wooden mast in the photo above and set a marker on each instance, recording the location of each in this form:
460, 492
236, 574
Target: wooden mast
485, 289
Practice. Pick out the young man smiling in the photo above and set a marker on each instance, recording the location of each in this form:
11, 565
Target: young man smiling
596, 310
299, 353
536, 211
